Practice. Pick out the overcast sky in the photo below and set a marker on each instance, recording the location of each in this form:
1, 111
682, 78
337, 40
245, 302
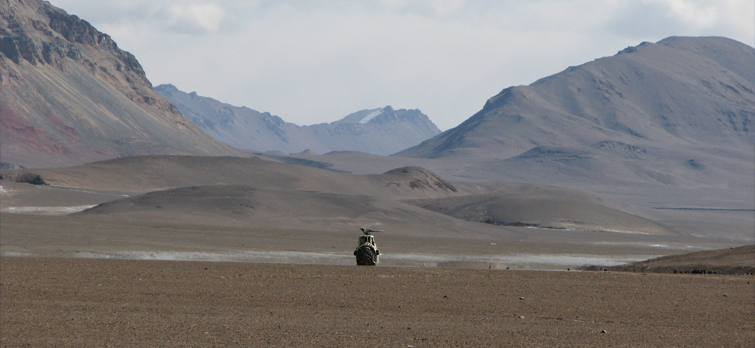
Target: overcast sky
317, 61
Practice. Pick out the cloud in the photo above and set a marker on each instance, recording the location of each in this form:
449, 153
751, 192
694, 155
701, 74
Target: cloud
730, 18
439, 8
192, 17
317, 61
195, 18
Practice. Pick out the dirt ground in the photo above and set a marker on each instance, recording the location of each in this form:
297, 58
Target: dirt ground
67, 302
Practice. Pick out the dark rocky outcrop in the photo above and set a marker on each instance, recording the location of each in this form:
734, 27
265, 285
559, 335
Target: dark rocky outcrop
417, 178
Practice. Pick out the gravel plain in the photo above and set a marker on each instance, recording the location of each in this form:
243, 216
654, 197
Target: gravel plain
68, 302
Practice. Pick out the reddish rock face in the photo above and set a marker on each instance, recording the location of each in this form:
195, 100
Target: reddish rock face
70, 95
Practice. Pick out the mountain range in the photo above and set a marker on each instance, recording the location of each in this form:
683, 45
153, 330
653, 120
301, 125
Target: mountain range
688, 91
677, 114
382, 131
661, 124
70, 95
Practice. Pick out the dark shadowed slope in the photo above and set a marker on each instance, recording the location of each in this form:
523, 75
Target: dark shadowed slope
739, 260
380, 131
70, 95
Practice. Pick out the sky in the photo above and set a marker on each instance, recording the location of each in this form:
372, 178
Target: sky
317, 61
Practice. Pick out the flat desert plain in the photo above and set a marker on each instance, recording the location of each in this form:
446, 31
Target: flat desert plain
67, 302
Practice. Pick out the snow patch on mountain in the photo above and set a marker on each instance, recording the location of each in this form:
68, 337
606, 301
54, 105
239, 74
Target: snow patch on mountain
371, 115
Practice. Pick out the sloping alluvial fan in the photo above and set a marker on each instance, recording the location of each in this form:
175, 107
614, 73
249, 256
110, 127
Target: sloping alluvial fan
382, 131
678, 112
70, 95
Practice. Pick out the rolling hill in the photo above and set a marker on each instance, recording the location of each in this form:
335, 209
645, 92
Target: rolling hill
740, 260
263, 194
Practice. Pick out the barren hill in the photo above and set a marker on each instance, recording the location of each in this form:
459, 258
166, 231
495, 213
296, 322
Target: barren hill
538, 210
739, 260
679, 91
71, 96
141, 174
673, 114
381, 131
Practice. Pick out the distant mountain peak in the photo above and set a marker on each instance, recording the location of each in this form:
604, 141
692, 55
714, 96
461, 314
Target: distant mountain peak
364, 116
380, 131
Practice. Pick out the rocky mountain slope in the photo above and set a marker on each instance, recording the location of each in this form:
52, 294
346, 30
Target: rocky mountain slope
70, 95
379, 131
676, 113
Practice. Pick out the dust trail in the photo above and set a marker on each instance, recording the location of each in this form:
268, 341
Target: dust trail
47, 210
518, 260
669, 246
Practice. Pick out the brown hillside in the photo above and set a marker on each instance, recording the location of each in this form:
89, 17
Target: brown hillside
71, 96
722, 261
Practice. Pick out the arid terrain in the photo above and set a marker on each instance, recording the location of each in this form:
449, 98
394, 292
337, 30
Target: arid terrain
235, 209
225, 251
197, 251
122, 223
739, 260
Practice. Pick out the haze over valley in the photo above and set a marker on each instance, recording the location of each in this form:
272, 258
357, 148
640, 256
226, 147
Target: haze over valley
381, 131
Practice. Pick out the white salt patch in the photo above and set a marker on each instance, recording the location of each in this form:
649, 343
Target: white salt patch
620, 231
47, 210
652, 245
533, 261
